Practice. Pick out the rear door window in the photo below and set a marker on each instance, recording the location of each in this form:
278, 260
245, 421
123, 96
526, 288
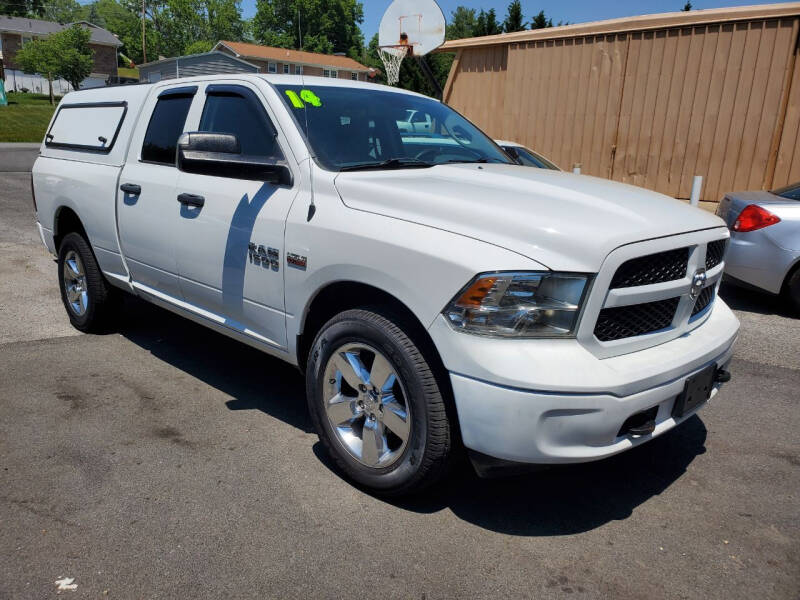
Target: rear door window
166, 126
90, 127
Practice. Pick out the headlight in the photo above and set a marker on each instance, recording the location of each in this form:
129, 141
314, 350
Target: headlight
524, 305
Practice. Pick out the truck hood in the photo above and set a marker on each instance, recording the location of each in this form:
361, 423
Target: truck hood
566, 222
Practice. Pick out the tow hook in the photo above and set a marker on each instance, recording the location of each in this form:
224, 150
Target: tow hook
722, 376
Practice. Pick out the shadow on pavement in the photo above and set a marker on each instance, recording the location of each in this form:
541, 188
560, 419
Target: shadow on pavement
253, 379
561, 500
565, 499
754, 301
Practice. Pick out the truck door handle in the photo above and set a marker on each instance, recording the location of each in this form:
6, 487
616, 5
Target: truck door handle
191, 200
131, 188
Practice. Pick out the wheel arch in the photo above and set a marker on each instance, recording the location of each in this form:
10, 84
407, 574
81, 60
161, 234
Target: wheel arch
66, 221
338, 296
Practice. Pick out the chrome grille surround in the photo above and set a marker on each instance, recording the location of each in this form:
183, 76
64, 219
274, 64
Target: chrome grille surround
603, 296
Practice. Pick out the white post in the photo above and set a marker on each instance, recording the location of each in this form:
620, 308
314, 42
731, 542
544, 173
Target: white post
697, 186
576, 168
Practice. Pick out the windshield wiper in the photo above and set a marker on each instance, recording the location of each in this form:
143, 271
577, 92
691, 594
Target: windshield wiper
392, 163
473, 160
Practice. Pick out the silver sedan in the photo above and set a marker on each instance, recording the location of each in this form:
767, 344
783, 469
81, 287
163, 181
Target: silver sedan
765, 240
525, 156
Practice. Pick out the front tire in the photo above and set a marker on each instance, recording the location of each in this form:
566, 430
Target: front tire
376, 404
87, 296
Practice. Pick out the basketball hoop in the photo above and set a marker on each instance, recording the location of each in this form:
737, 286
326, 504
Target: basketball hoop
409, 28
392, 57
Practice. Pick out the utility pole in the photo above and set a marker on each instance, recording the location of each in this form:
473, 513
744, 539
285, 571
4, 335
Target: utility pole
144, 49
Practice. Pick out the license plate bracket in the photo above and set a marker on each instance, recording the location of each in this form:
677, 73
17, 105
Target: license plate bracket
696, 390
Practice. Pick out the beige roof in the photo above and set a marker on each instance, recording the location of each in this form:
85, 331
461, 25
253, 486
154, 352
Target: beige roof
641, 23
292, 56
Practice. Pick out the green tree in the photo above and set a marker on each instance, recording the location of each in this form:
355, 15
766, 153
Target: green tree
37, 56
462, 24
65, 55
325, 26
514, 19
687, 7
540, 21
199, 47
73, 55
124, 22
62, 11
486, 24
21, 8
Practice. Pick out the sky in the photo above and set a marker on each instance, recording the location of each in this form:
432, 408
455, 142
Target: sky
574, 11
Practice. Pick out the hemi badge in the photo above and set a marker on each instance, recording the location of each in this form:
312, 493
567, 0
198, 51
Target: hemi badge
296, 261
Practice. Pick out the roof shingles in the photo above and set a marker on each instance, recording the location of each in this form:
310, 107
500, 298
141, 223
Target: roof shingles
245, 51
24, 25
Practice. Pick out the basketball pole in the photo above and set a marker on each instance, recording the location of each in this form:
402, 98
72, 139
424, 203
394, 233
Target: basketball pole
426, 69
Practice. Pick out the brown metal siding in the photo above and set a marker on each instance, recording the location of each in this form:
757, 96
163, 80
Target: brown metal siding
652, 108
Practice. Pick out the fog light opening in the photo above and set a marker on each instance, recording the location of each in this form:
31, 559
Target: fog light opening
642, 423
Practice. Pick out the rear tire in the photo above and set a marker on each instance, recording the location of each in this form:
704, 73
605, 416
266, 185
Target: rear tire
376, 404
87, 296
792, 291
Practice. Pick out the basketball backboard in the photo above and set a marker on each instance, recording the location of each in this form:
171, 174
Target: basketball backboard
418, 24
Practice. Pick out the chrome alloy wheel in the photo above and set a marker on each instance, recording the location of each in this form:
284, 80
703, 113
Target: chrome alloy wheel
366, 405
75, 284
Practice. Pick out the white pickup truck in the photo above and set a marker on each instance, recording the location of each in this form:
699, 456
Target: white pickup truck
435, 294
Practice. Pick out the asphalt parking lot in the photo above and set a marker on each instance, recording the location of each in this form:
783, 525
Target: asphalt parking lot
165, 461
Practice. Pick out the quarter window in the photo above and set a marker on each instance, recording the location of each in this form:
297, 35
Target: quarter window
241, 114
165, 127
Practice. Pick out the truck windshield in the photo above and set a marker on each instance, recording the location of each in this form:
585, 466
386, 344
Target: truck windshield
352, 129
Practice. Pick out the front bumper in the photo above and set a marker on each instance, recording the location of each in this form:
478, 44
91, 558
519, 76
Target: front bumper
551, 401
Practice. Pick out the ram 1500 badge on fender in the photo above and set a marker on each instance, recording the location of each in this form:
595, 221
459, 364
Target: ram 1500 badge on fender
433, 292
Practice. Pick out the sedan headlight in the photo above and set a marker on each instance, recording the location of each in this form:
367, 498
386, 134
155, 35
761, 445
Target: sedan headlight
523, 305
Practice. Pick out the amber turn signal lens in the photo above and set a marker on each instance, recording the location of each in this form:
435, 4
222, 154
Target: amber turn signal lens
475, 293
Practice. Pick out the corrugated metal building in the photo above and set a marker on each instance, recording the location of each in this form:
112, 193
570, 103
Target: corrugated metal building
209, 63
650, 100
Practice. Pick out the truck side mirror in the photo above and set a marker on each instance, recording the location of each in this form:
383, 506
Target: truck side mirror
220, 154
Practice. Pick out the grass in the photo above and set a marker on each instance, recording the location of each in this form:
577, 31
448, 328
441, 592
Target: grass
128, 72
26, 117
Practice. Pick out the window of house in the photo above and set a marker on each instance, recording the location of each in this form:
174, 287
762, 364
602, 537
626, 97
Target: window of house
272, 67
298, 69
354, 76
330, 73
286, 69
26, 39
166, 126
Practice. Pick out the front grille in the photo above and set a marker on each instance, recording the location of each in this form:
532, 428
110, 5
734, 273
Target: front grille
653, 268
703, 300
714, 253
629, 321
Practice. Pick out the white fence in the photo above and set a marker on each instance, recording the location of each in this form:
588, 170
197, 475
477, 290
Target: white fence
17, 81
